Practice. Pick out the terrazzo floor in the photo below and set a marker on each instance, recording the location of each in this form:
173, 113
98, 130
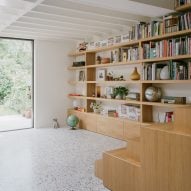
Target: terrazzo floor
52, 159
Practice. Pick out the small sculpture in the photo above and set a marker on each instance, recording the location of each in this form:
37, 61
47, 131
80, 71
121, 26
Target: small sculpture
55, 123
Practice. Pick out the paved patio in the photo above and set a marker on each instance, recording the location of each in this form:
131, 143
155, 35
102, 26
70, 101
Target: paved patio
13, 122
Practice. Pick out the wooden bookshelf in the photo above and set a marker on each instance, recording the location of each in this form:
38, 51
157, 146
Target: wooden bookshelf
154, 151
132, 43
182, 8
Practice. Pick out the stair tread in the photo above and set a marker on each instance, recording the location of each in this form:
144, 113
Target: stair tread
123, 154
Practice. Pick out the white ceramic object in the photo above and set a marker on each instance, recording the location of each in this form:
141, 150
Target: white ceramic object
164, 74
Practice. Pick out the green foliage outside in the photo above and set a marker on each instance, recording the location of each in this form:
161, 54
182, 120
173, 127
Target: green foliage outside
15, 75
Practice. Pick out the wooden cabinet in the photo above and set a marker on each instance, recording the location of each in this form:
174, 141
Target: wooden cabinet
161, 161
110, 127
89, 122
131, 130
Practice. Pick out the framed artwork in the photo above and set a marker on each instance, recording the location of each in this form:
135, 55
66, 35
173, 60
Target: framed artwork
101, 75
81, 75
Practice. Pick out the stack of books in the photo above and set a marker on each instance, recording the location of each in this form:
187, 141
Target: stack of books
173, 100
167, 48
176, 70
179, 3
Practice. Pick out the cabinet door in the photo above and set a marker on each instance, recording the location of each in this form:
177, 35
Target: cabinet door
110, 127
131, 130
89, 122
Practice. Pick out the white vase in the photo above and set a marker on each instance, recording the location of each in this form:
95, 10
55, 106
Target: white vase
164, 74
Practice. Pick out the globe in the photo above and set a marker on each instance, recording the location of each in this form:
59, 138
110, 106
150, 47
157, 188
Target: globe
153, 93
72, 121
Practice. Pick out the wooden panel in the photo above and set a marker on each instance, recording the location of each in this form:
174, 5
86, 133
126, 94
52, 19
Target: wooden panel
89, 122
133, 150
90, 59
110, 127
131, 130
120, 175
91, 90
99, 168
183, 120
147, 113
166, 161
91, 74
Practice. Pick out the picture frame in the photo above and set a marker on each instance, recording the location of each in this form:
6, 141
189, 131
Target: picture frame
101, 74
81, 75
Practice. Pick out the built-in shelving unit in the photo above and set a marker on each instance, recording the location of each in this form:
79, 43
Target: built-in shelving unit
91, 82
157, 156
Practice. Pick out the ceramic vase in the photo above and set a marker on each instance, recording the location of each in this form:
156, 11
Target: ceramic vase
135, 75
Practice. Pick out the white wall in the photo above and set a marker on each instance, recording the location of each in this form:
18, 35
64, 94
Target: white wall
51, 87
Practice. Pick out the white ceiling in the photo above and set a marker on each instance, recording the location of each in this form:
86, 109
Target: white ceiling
72, 19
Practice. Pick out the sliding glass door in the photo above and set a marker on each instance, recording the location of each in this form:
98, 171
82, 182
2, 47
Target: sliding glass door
16, 84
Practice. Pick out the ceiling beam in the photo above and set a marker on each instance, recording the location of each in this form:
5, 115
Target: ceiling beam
28, 6
75, 20
79, 7
64, 25
56, 28
83, 15
12, 34
48, 31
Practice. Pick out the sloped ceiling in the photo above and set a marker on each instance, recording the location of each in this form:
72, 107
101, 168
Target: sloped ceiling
74, 20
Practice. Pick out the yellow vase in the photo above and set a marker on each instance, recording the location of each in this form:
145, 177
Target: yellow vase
135, 75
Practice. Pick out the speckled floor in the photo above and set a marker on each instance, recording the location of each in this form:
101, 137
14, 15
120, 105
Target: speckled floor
51, 159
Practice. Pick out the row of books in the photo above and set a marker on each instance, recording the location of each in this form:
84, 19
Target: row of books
145, 30
181, 2
173, 100
177, 22
167, 24
172, 70
125, 54
167, 48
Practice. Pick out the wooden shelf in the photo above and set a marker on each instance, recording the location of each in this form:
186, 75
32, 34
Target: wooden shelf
165, 104
168, 35
114, 64
136, 42
115, 82
76, 68
166, 81
115, 100
77, 97
183, 7
179, 57
73, 82
77, 53
101, 49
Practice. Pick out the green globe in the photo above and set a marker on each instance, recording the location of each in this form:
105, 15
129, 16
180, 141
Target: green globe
72, 121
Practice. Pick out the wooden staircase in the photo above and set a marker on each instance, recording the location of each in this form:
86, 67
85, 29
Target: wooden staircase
160, 160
